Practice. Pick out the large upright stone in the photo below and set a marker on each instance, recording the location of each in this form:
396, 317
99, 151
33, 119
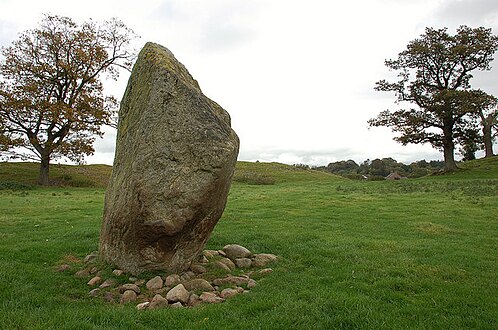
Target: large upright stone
175, 156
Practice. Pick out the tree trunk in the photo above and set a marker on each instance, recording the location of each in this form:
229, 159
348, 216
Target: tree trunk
449, 148
487, 125
43, 178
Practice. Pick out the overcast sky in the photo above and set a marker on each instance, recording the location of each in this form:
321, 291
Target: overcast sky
297, 77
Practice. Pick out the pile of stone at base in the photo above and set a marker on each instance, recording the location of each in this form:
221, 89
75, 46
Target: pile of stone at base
215, 277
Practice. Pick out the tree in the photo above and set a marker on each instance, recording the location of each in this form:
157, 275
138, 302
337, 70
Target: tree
481, 126
51, 94
434, 75
488, 116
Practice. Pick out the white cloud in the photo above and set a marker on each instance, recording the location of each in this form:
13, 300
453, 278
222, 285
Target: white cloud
296, 77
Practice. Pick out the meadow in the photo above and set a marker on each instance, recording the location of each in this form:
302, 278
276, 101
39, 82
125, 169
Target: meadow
408, 254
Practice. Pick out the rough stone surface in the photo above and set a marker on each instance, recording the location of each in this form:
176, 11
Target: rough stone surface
263, 259
128, 296
108, 284
178, 293
154, 283
210, 253
158, 301
228, 262
228, 293
94, 293
236, 280
198, 269
143, 305
117, 272
223, 266
174, 160
176, 305
251, 283
172, 280
194, 300
234, 251
265, 271
129, 286
243, 262
91, 257
210, 298
198, 284
95, 281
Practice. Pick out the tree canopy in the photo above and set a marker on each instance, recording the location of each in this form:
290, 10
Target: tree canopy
52, 101
434, 74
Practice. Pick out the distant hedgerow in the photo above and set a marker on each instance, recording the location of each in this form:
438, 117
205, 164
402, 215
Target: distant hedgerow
12, 185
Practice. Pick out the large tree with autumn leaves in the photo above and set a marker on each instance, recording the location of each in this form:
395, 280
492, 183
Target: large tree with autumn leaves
52, 102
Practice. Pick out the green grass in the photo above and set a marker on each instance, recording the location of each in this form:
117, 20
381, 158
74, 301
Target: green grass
411, 254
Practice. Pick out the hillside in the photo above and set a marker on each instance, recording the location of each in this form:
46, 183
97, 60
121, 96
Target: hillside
245, 173
98, 175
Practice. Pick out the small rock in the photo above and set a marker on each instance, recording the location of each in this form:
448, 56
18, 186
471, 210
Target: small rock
158, 301
194, 300
243, 262
228, 262
210, 298
265, 271
221, 265
108, 283
198, 269
222, 253
172, 280
108, 296
94, 270
132, 287
63, 268
94, 293
198, 284
251, 283
95, 281
82, 273
263, 259
143, 305
234, 251
203, 260
228, 293
178, 293
236, 280
176, 305
117, 272
154, 283
209, 253
91, 257
128, 296
133, 279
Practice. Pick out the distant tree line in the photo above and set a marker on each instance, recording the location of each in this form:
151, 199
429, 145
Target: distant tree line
380, 168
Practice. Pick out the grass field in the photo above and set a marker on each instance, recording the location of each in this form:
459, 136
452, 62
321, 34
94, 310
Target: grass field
410, 254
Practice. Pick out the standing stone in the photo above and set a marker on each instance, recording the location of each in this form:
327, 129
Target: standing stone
174, 161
